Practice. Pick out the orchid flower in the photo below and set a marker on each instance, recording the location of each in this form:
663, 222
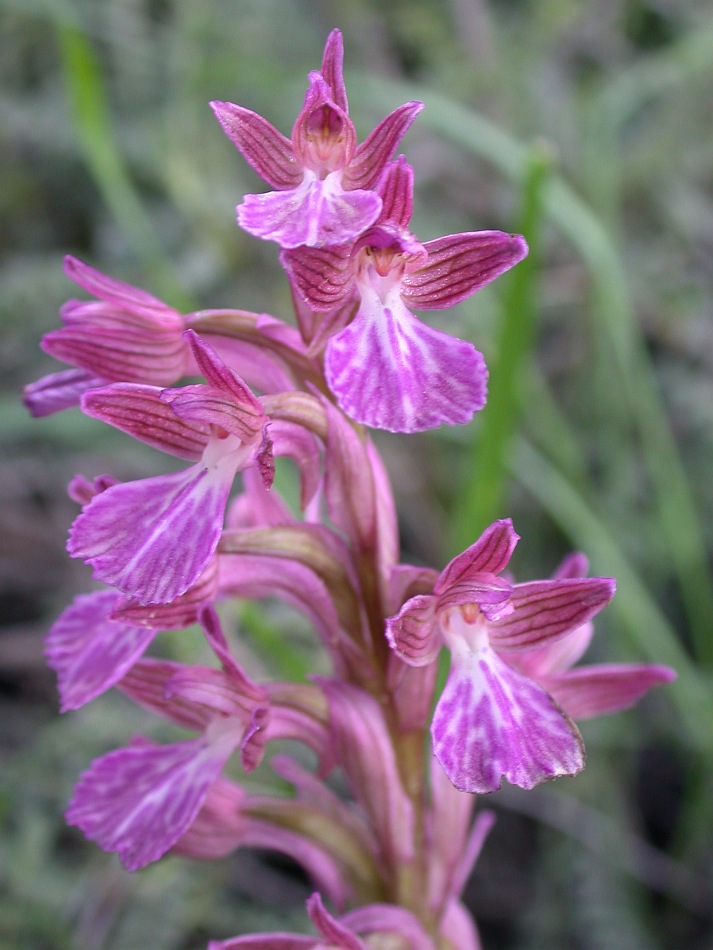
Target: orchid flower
126, 335
387, 368
324, 181
140, 536
494, 719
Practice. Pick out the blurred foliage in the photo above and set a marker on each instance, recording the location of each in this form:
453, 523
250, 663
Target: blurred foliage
588, 126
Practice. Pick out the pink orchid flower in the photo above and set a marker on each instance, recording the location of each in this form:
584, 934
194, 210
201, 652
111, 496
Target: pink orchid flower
324, 181
496, 717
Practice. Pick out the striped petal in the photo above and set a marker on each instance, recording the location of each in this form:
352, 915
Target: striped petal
140, 800
390, 371
318, 212
153, 538
493, 723
89, 651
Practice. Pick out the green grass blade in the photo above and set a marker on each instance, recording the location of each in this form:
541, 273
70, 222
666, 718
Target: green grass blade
87, 94
479, 502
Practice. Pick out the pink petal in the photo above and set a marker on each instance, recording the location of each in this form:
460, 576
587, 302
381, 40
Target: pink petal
396, 191
318, 212
607, 688
112, 291
147, 684
337, 935
120, 346
490, 554
219, 826
554, 656
58, 391
378, 148
414, 633
491, 722
545, 610
390, 371
138, 801
179, 613
323, 137
458, 927
89, 651
460, 264
265, 149
332, 68
322, 276
153, 538
247, 415
143, 413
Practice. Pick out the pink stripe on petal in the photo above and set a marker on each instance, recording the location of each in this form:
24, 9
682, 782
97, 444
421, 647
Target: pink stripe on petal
378, 148
414, 633
492, 723
396, 190
142, 412
226, 381
265, 149
146, 684
153, 538
138, 801
607, 688
317, 213
58, 391
490, 554
390, 371
108, 288
544, 610
89, 651
322, 276
460, 264
332, 68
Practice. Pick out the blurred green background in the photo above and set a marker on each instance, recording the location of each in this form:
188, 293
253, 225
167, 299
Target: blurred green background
587, 125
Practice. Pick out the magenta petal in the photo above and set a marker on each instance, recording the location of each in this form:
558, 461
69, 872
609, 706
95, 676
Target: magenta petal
58, 391
414, 632
268, 151
89, 651
332, 68
491, 722
545, 610
269, 941
337, 935
460, 264
138, 801
607, 688
141, 412
119, 345
113, 291
152, 539
396, 190
490, 554
322, 276
390, 371
316, 213
378, 148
